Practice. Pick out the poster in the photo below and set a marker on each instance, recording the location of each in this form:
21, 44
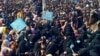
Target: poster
47, 15
6, 1
76, 1
18, 25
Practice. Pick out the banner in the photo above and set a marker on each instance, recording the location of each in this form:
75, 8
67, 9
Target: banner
18, 25
47, 15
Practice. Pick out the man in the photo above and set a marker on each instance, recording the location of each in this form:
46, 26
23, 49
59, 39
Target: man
93, 49
11, 36
79, 17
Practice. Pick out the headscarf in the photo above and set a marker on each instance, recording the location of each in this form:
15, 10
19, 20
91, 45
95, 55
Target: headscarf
5, 43
20, 15
5, 47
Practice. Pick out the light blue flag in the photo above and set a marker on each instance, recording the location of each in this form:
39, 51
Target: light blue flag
18, 25
48, 15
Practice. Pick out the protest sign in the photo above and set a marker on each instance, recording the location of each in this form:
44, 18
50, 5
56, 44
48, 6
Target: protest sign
6, 1
18, 25
48, 15
76, 1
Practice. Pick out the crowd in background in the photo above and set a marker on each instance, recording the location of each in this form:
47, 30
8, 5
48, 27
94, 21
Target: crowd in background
74, 30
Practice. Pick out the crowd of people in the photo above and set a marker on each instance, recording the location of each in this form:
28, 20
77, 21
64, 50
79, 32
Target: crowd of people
73, 31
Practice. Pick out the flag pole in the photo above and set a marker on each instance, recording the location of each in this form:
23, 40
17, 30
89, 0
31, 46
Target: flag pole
43, 4
99, 2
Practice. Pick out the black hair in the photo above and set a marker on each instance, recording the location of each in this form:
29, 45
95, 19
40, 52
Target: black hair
0, 16
99, 25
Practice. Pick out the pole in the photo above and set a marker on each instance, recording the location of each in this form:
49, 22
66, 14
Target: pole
43, 4
99, 2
